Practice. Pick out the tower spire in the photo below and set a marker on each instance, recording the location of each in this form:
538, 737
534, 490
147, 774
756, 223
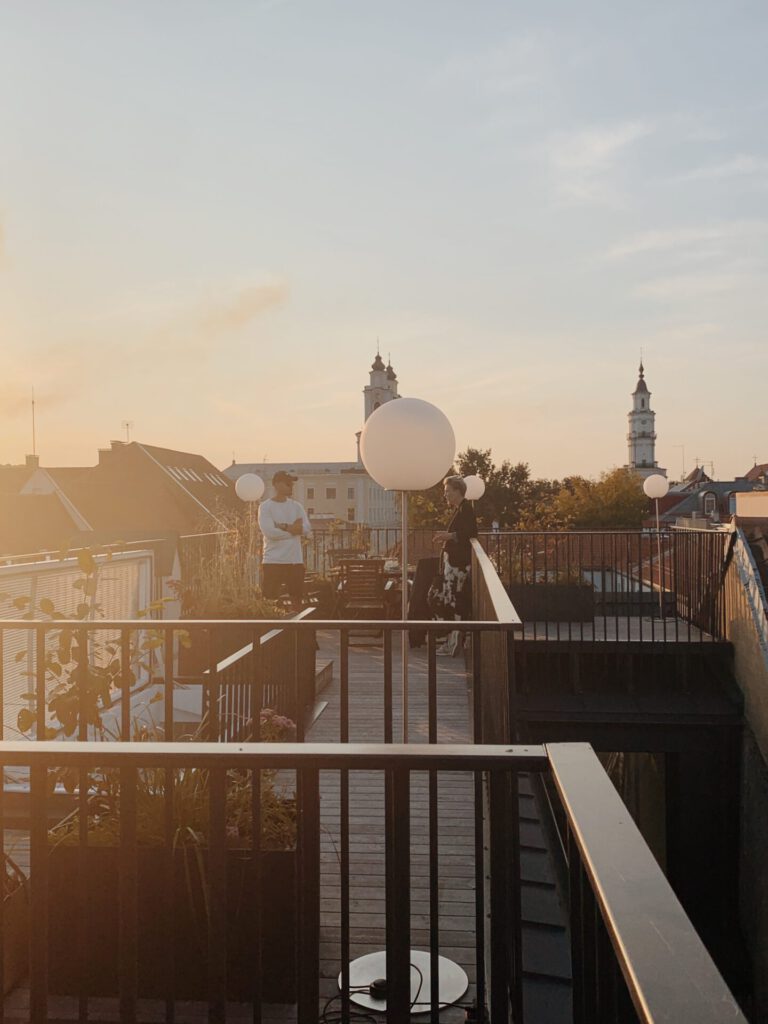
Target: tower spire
641, 437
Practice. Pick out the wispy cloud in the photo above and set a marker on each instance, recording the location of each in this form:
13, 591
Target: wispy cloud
682, 286
195, 328
670, 239
741, 165
581, 162
235, 311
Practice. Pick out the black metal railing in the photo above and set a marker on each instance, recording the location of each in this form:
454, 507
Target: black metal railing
579, 584
636, 956
229, 686
274, 671
639, 585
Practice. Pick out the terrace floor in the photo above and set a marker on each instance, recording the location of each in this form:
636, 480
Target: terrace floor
546, 955
616, 628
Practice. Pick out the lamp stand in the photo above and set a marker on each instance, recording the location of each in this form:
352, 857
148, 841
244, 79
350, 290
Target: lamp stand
658, 550
404, 585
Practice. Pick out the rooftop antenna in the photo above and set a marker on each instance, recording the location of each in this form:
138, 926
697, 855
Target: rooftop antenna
127, 427
682, 446
34, 437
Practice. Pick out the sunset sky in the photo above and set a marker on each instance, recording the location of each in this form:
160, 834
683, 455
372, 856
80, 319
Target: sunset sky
210, 211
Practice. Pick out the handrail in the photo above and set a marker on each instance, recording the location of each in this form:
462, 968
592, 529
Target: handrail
669, 973
317, 756
503, 608
165, 625
236, 656
754, 591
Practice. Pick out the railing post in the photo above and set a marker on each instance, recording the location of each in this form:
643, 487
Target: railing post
38, 870
308, 903
398, 896
128, 888
505, 989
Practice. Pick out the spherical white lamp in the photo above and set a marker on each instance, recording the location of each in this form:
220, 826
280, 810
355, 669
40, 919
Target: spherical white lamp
249, 487
407, 445
475, 487
656, 486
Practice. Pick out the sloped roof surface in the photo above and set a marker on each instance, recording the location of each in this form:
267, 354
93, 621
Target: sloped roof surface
692, 502
142, 487
13, 478
758, 470
33, 522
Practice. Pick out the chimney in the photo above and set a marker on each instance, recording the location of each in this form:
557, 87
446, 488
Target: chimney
106, 454
33, 461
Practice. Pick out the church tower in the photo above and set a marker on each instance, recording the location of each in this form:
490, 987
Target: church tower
641, 439
383, 385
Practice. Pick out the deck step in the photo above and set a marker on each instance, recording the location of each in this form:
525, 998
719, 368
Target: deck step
323, 674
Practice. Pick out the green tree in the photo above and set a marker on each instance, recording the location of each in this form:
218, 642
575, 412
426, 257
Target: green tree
510, 493
511, 496
616, 501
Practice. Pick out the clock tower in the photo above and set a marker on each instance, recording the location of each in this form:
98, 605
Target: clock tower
641, 439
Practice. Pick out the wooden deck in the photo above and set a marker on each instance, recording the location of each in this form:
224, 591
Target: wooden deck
546, 955
616, 629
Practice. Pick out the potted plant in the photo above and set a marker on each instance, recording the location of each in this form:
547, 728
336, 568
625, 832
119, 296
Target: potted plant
189, 897
84, 690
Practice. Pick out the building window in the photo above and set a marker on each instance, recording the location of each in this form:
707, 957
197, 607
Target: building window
330, 492
310, 511
351, 515
351, 493
310, 492
642, 403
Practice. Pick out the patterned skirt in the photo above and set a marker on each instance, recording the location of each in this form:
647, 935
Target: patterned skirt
448, 597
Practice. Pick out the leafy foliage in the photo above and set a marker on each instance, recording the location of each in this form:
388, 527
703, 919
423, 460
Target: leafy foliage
518, 502
615, 501
84, 672
190, 801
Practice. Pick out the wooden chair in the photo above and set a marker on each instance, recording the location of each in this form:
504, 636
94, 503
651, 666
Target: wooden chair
336, 556
361, 588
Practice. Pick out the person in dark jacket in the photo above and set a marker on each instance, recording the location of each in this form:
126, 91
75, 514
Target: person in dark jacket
450, 596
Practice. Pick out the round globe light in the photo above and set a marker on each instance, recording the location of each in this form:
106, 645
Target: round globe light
249, 487
475, 487
407, 445
655, 486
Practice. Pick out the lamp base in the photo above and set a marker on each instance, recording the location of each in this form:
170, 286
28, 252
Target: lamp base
453, 981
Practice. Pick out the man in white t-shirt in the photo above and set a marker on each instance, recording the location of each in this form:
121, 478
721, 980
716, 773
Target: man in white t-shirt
283, 522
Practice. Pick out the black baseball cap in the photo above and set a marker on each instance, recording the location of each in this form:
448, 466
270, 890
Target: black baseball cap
282, 476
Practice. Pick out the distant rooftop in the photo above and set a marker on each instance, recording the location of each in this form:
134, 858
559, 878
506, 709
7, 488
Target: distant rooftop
266, 469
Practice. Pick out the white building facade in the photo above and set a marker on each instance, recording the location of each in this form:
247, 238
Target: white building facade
341, 491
